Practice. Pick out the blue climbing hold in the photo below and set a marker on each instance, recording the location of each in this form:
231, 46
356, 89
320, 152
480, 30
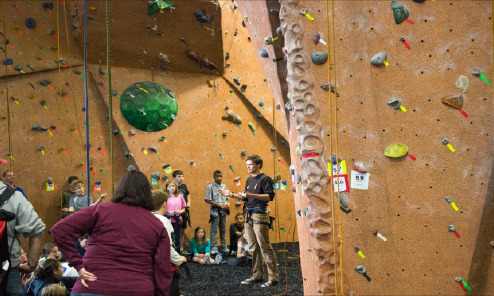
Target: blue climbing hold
8, 61
30, 23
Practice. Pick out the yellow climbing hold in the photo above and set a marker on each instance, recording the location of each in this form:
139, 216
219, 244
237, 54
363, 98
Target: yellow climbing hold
396, 150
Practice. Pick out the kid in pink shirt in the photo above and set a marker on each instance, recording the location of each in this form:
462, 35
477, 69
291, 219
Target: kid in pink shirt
176, 207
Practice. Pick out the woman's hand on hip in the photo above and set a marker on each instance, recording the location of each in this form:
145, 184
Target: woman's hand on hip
86, 276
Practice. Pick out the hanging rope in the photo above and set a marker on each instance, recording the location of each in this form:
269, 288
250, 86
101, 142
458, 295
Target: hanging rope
335, 131
110, 96
59, 100
86, 100
11, 164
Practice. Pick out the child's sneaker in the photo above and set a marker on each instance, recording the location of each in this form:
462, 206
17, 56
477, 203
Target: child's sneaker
206, 259
214, 250
218, 258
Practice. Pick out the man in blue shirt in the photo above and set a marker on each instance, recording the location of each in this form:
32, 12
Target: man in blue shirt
8, 179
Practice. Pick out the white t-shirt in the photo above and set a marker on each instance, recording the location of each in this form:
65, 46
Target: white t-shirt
69, 271
245, 247
175, 257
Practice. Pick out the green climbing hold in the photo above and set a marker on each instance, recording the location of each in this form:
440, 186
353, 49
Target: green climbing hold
399, 11
159, 5
149, 106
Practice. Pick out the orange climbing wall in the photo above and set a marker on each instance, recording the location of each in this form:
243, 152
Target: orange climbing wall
405, 201
191, 137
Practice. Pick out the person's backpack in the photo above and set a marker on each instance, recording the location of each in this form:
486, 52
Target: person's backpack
5, 216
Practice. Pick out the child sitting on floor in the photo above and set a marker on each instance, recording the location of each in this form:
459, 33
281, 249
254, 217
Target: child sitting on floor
243, 253
200, 248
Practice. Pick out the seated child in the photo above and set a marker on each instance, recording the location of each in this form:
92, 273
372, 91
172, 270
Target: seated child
79, 200
200, 248
53, 290
243, 253
160, 208
47, 273
236, 232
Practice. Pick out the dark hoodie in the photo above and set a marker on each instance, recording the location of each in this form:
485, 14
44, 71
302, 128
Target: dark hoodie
35, 287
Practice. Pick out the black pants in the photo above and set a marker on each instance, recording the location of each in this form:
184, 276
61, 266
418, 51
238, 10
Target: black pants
175, 288
176, 230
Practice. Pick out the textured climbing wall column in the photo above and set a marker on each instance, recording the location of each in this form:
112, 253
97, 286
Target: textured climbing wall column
315, 177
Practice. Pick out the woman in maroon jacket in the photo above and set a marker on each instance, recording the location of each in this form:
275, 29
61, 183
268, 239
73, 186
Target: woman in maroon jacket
128, 250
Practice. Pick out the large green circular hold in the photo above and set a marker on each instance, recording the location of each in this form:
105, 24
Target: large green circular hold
149, 106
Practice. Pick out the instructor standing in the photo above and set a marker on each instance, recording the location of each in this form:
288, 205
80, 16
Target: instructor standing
258, 192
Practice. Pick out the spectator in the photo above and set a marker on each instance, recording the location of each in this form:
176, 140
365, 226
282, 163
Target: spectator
81, 244
129, 249
176, 207
50, 251
49, 272
67, 195
53, 290
26, 223
79, 200
178, 175
8, 179
200, 247
243, 253
67, 270
218, 211
160, 209
236, 230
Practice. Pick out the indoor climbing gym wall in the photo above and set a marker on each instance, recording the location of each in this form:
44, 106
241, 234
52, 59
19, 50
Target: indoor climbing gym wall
187, 93
407, 114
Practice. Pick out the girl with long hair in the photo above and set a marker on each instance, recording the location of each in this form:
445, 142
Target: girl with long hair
200, 248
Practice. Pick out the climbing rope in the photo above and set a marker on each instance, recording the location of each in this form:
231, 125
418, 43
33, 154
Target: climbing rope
60, 102
110, 96
7, 92
336, 143
86, 99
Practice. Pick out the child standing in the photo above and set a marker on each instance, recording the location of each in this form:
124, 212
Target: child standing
218, 212
200, 248
160, 208
176, 207
79, 200
236, 230
67, 195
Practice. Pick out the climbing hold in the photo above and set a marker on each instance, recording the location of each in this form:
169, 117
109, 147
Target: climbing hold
45, 82
155, 176
294, 188
394, 102
232, 117
359, 167
399, 11
48, 5
251, 126
275, 11
224, 134
396, 150
244, 152
116, 131
30, 23
279, 31
264, 53
18, 68
448, 199
419, 1
164, 57
165, 177
243, 88
316, 37
261, 103
360, 269
319, 58
114, 92
378, 59
445, 141
462, 83
227, 56
201, 60
132, 132
268, 40
237, 80
451, 228
155, 5
39, 128
202, 17
325, 86
8, 61
476, 72
131, 168
288, 105
343, 199
455, 100
236, 32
